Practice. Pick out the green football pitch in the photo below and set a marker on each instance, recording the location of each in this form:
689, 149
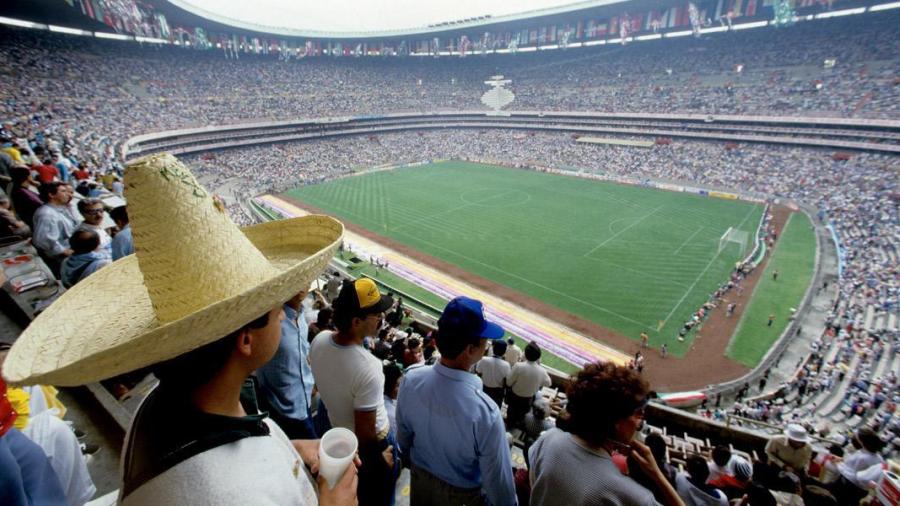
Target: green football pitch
629, 258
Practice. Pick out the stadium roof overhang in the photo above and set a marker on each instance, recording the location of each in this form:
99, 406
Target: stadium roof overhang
181, 12
550, 15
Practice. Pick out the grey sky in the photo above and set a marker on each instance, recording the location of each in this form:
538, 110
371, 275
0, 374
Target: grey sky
364, 15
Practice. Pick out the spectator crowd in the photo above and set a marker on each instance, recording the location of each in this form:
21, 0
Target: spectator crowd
350, 357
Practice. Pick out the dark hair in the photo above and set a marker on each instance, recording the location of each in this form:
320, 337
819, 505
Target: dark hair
397, 348
499, 347
721, 455
119, 214
48, 189
392, 374
870, 440
19, 175
836, 449
188, 371
532, 352
600, 395
323, 318
452, 346
344, 310
84, 240
698, 468
657, 447
83, 204
412, 343
759, 495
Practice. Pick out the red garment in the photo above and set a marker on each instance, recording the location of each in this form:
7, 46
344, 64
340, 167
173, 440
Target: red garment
727, 481
81, 175
47, 173
621, 462
7, 414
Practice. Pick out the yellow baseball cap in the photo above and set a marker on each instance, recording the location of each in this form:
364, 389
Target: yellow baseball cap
362, 297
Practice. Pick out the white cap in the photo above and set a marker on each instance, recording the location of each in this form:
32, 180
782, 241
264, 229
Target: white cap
796, 432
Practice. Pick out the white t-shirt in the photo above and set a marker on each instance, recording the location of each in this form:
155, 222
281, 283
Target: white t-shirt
513, 355
526, 378
349, 379
493, 371
264, 470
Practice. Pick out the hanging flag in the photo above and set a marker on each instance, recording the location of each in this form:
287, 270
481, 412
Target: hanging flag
751, 8
163, 25
463, 45
636, 21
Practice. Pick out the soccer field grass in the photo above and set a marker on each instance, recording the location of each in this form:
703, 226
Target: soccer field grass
794, 259
629, 258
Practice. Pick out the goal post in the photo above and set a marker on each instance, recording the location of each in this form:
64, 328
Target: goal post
732, 235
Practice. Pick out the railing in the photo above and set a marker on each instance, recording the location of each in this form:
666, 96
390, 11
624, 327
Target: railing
780, 428
760, 239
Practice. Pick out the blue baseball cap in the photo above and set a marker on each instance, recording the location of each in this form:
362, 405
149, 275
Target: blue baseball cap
465, 317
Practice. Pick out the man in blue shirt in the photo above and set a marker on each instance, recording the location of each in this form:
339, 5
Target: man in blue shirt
286, 381
450, 431
122, 243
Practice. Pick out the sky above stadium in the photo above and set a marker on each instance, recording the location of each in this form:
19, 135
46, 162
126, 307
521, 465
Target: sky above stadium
363, 15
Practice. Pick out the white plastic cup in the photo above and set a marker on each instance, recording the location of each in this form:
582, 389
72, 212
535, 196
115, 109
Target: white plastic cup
336, 451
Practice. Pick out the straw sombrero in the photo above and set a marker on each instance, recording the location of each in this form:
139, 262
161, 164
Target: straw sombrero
194, 278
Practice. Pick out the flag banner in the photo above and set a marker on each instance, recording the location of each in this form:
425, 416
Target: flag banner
163, 25
751, 8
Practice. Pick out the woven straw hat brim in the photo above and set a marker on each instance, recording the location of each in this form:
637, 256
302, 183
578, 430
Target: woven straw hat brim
105, 325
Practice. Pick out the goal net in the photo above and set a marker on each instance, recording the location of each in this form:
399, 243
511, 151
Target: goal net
732, 235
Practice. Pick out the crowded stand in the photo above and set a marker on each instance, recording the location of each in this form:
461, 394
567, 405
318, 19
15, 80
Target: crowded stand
352, 357
854, 195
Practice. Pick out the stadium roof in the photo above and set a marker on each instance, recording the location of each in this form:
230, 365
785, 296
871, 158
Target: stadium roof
367, 15
384, 18
470, 16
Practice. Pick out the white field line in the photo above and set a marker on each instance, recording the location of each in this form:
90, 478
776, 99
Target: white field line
638, 272
691, 289
687, 241
526, 280
620, 232
445, 211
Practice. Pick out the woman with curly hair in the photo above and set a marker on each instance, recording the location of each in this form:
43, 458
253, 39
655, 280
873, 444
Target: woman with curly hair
605, 409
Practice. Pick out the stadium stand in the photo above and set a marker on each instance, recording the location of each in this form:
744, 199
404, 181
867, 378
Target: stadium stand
71, 104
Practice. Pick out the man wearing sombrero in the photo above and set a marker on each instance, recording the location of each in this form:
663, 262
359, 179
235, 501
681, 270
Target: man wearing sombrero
200, 304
